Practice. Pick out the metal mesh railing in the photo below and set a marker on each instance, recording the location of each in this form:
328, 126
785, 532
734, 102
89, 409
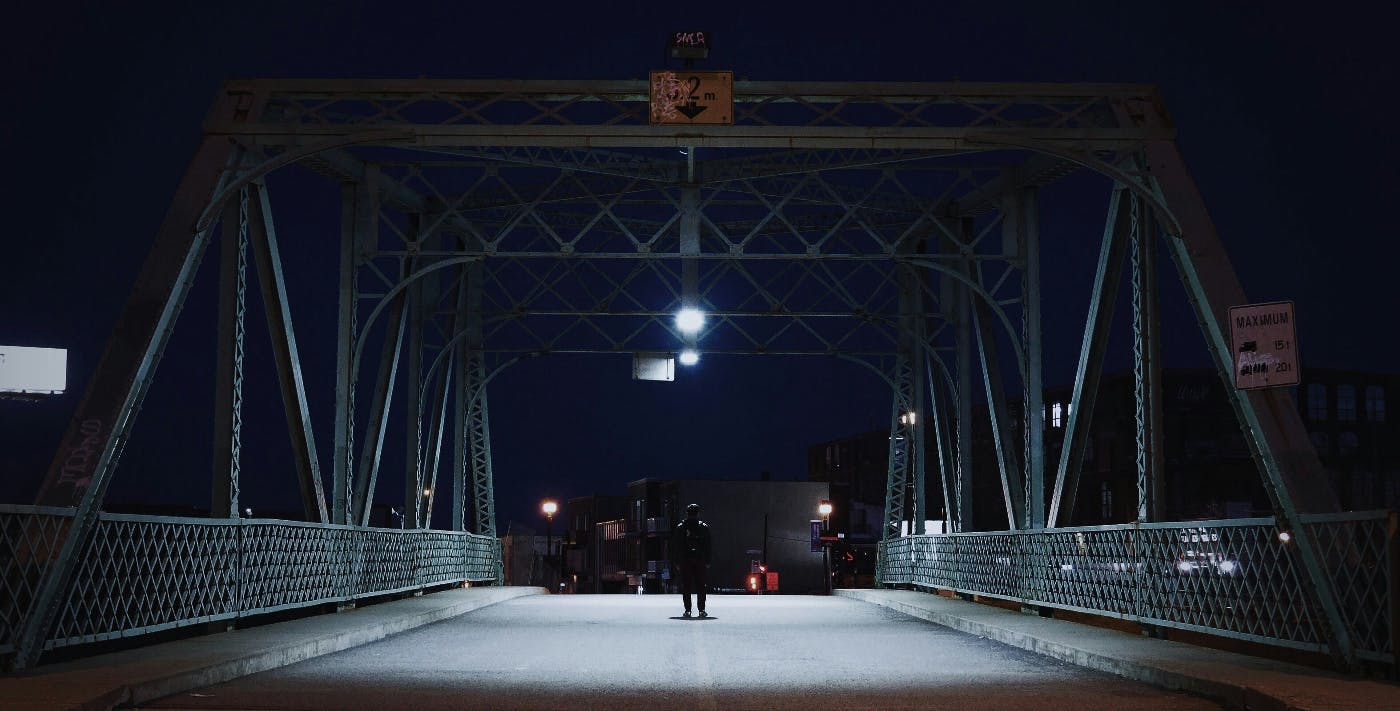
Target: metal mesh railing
1233, 578
141, 574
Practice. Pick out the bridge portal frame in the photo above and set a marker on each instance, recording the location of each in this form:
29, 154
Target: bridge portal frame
593, 135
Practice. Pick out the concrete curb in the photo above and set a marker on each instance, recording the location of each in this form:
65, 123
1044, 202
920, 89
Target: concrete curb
145, 674
300, 650
1241, 696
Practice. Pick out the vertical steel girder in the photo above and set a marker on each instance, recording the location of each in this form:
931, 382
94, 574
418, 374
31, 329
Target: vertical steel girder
1116, 235
912, 306
905, 483
461, 447
958, 298
1291, 471
228, 365
1021, 219
898, 475
358, 229
82, 467
414, 484
478, 418
1147, 366
278, 313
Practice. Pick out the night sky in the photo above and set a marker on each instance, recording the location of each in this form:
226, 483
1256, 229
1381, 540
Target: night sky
1283, 111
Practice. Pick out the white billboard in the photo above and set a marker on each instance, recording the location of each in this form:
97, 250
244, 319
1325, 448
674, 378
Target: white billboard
33, 370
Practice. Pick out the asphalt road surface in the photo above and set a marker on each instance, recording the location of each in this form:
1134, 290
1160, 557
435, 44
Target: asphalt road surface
634, 652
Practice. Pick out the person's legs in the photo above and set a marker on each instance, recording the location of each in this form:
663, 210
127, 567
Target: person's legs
687, 584
700, 585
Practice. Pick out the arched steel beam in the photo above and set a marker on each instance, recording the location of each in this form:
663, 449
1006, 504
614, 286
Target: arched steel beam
216, 203
1164, 214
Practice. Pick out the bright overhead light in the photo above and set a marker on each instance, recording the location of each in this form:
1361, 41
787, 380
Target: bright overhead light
549, 508
690, 320
689, 357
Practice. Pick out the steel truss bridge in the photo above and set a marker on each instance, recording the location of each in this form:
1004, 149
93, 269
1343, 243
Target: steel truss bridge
895, 225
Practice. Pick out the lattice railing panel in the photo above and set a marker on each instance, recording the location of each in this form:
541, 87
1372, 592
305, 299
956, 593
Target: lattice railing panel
30, 539
141, 574
1362, 566
144, 575
1234, 578
288, 565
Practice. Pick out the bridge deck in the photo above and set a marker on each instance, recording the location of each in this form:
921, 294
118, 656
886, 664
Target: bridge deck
628, 652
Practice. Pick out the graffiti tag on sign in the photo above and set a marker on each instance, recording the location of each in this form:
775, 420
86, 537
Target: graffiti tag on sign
1263, 345
692, 97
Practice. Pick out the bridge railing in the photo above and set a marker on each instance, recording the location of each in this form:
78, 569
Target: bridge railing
1234, 578
142, 574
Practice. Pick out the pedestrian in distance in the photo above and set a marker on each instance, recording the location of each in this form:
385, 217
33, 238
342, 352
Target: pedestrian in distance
692, 543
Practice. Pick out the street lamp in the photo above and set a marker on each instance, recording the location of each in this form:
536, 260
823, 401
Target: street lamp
690, 320
549, 508
824, 508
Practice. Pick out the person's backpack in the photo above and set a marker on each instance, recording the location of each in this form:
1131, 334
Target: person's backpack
694, 541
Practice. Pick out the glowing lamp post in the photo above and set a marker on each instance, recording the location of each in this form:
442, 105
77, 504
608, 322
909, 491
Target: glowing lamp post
549, 508
824, 508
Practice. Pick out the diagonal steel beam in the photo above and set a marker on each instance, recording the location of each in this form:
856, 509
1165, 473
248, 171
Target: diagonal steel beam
278, 314
1012, 487
1117, 232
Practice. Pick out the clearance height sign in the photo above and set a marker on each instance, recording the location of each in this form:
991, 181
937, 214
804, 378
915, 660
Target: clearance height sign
1262, 338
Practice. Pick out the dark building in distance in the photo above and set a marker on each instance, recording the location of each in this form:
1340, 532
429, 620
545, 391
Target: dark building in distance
620, 544
1209, 472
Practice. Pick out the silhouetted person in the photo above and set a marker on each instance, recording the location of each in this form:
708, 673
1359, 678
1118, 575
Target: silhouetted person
692, 542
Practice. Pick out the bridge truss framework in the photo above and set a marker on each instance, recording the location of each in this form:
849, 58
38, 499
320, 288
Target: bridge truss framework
895, 225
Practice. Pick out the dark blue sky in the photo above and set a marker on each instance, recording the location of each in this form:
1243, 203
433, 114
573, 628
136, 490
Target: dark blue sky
1283, 113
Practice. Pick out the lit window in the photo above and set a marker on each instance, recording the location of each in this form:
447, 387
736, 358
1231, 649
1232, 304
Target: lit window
1346, 444
1346, 403
1375, 403
1317, 401
1057, 415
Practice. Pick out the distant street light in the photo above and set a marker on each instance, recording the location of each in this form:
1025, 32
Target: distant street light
549, 508
689, 357
690, 320
824, 508
908, 418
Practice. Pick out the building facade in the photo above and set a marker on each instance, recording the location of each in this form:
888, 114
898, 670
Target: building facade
1208, 470
752, 523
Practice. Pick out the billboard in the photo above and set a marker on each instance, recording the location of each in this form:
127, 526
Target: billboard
33, 371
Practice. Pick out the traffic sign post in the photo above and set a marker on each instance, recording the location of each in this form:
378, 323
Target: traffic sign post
689, 98
1264, 344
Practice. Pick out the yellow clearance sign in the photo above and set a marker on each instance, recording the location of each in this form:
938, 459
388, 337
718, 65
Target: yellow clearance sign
1262, 337
691, 98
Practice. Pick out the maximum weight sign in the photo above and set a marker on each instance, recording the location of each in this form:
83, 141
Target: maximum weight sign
1264, 345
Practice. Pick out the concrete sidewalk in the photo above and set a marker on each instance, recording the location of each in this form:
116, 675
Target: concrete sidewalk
139, 675
1238, 680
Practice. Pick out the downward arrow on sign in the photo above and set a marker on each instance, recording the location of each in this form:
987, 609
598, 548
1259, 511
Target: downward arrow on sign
691, 110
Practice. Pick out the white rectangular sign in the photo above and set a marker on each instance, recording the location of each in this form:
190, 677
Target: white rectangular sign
653, 367
1263, 339
33, 370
